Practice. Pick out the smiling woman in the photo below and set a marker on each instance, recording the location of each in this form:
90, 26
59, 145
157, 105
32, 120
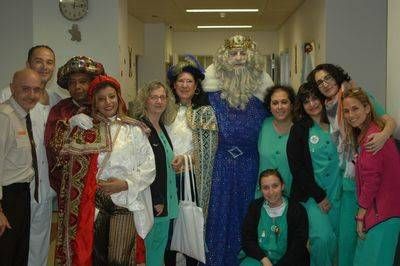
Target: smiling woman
274, 133
107, 101
377, 183
193, 132
116, 163
313, 162
154, 106
275, 229
333, 81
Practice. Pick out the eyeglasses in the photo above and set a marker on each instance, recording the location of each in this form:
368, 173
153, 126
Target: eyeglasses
155, 98
325, 81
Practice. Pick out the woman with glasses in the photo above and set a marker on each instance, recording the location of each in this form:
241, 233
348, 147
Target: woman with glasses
193, 132
333, 81
313, 161
274, 133
154, 105
377, 181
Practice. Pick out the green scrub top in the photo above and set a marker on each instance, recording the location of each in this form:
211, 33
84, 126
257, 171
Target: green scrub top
272, 235
172, 195
379, 110
325, 161
272, 151
272, 238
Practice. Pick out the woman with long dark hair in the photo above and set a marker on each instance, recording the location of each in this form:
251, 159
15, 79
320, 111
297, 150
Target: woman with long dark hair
313, 161
332, 81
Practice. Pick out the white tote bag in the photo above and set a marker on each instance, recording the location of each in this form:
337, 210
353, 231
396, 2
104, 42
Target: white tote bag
188, 235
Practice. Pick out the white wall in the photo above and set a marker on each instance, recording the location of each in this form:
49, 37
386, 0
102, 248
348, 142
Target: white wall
16, 25
136, 44
168, 45
305, 25
151, 65
356, 36
208, 42
128, 83
393, 62
99, 32
136, 35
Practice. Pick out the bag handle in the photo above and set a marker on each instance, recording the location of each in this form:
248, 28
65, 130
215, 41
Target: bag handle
187, 178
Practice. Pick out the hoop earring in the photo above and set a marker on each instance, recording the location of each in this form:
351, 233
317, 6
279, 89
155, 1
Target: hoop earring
197, 91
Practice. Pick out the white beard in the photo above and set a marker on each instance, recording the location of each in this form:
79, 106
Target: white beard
238, 85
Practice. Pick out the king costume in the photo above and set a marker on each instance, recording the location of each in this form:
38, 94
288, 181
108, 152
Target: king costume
56, 131
236, 161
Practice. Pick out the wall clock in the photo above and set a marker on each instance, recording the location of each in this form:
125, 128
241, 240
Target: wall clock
73, 9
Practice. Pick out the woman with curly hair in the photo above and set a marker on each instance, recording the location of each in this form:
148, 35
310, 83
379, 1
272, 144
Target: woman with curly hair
274, 133
332, 82
154, 105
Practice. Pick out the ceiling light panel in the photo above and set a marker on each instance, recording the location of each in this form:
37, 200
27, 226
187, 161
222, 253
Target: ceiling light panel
232, 10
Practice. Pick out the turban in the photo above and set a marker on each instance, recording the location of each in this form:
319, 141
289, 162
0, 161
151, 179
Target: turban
78, 64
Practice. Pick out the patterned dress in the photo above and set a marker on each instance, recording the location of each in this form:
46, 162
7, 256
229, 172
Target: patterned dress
234, 177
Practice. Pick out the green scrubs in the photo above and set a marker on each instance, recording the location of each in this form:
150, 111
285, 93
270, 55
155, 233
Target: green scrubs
379, 246
324, 227
157, 239
272, 151
272, 238
348, 210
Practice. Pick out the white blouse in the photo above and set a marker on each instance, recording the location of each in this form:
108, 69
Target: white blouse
132, 160
180, 133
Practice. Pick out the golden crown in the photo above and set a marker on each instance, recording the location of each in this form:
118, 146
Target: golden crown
239, 42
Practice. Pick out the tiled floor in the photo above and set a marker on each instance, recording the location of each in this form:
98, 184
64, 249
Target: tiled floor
50, 261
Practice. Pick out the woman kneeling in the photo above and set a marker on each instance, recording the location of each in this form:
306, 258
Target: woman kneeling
275, 229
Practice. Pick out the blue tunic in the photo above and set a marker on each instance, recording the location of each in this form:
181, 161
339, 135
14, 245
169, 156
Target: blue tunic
234, 177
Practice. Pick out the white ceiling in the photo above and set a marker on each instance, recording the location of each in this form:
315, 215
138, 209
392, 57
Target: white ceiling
272, 13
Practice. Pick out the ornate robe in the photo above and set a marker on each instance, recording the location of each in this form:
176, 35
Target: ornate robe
235, 170
197, 135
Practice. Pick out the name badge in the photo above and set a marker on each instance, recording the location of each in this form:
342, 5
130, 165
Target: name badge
314, 139
22, 133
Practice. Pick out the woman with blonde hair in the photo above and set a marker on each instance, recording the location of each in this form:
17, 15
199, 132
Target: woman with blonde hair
377, 182
154, 106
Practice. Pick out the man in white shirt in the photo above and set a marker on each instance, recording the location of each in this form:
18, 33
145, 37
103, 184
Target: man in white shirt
41, 59
18, 166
